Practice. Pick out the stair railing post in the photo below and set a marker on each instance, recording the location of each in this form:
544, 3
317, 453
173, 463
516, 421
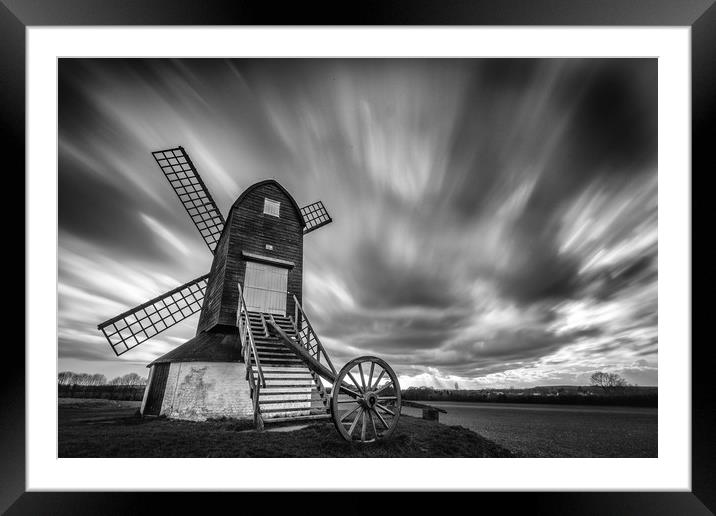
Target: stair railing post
295, 309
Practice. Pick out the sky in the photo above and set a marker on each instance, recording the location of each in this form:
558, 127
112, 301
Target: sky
495, 220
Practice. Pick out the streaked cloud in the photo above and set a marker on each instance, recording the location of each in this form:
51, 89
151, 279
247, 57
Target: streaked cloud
495, 220
164, 233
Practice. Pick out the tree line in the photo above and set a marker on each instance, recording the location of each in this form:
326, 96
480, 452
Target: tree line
72, 378
605, 389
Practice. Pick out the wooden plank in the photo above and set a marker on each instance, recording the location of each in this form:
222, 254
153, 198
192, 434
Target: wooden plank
155, 396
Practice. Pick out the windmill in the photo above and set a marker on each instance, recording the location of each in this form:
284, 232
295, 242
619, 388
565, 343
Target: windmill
255, 353
258, 264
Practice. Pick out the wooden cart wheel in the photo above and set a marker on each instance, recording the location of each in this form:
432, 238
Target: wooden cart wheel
365, 403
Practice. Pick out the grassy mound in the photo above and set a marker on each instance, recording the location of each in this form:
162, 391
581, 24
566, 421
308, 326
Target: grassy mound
92, 431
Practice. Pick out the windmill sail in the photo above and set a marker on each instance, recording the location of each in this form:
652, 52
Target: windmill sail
143, 322
315, 215
192, 192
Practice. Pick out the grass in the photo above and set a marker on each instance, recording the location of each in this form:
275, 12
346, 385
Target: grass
559, 431
105, 428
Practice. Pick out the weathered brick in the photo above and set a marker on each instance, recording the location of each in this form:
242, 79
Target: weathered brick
201, 390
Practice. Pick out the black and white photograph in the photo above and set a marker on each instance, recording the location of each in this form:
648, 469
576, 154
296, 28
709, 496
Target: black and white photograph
357, 257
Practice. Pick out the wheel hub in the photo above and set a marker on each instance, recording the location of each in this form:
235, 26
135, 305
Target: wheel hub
369, 400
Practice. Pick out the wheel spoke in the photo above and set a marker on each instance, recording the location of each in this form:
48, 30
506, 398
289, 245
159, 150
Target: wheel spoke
355, 422
348, 401
385, 408
362, 378
386, 398
365, 424
390, 382
347, 390
386, 425
354, 381
370, 376
372, 422
379, 377
348, 414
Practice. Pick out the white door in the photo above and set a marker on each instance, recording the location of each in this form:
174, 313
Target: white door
265, 288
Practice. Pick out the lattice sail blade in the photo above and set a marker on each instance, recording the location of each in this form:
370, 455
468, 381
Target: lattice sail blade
192, 192
315, 215
143, 322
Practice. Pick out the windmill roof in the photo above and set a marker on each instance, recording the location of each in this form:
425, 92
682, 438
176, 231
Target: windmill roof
205, 347
280, 187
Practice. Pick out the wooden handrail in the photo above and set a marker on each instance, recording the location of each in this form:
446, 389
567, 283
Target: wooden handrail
312, 334
303, 353
249, 349
309, 359
263, 323
252, 344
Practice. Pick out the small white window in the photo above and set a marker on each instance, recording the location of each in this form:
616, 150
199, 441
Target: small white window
271, 207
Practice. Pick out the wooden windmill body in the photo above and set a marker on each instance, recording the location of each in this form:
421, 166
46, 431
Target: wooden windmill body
256, 275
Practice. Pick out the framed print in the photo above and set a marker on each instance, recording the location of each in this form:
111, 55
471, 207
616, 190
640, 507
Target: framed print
456, 241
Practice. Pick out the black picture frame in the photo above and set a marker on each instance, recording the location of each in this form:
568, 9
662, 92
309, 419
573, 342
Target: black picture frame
17, 15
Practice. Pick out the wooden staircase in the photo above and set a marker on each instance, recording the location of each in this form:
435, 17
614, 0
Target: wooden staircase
292, 392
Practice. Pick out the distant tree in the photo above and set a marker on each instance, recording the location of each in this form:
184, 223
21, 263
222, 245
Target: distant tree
457, 387
65, 377
82, 379
98, 379
609, 382
133, 379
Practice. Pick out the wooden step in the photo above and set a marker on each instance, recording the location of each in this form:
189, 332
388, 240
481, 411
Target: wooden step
278, 363
276, 353
310, 417
274, 349
270, 414
296, 367
274, 361
288, 372
275, 382
274, 406
271, 337
279, 376
283, 369
272, 345
286, 397
285, 389
278, 368
271, 342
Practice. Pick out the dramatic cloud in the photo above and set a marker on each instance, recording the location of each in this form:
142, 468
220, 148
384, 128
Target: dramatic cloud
495, 220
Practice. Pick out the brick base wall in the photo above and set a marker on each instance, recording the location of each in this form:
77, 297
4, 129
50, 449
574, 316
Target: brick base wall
201, 390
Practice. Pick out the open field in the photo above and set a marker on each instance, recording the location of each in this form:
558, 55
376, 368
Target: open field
108, 428
558, 430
